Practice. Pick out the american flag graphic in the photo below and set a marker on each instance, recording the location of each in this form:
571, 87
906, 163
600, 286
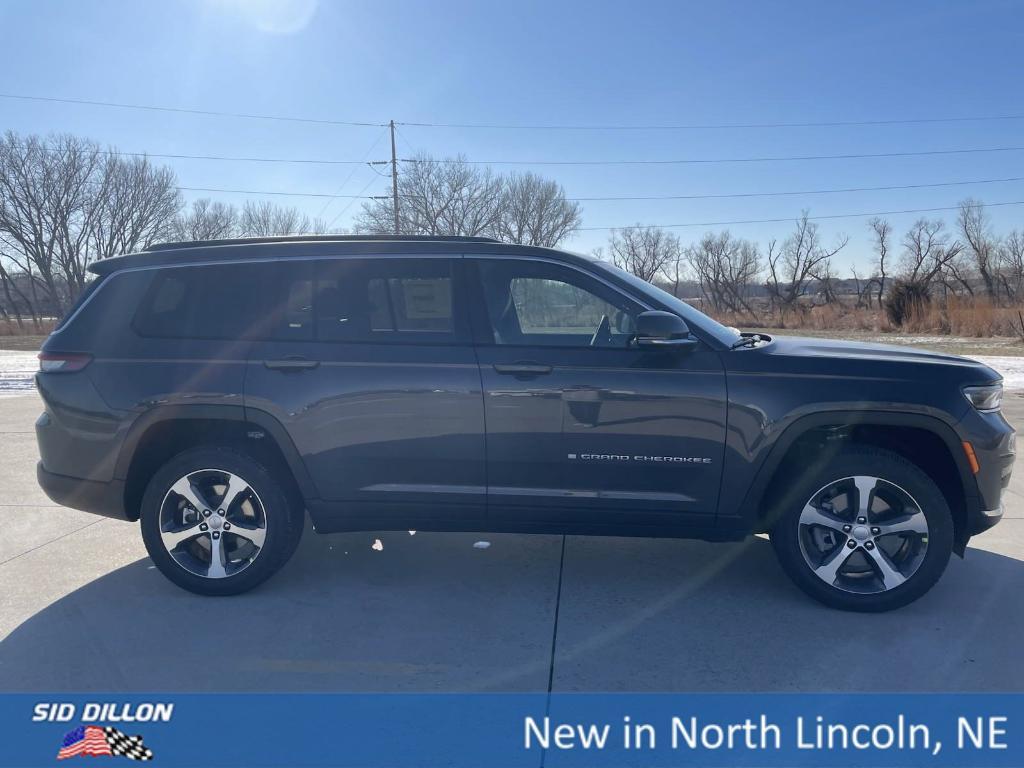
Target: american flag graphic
97, 741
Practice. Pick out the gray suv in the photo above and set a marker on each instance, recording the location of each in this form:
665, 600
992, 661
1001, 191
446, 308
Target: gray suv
219, 391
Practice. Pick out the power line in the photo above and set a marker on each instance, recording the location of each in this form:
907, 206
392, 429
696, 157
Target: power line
351, 173
793, 218
277, 193
185, 111
319, 161
644, 197
342, 212
517, 126
803, 192
716, 126
232, 158
852, 156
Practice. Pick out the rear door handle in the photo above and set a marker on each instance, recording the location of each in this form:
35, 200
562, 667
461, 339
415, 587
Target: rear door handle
523, 369
291, 364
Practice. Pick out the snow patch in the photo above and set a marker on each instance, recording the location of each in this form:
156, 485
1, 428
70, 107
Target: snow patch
17, 373
1010, 368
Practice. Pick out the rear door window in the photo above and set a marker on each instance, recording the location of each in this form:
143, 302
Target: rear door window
387, 300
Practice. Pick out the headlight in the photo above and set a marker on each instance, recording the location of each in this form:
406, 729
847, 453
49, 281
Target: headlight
987, 398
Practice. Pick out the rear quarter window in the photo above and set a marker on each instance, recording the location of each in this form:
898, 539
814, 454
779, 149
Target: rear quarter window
202, 302
90, 288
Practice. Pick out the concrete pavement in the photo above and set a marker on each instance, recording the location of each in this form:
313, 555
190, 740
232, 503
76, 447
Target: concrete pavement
82, 608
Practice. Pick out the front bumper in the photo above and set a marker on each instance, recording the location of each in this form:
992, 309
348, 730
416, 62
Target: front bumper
994, 444
100, 498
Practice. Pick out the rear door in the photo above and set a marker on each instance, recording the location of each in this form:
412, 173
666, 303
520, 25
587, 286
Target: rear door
583, 427
369, 366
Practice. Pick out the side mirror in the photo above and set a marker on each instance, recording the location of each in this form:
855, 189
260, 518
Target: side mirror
664, 330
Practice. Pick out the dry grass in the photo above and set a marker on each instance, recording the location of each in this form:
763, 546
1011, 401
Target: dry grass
966, 317
11, 328
974, 318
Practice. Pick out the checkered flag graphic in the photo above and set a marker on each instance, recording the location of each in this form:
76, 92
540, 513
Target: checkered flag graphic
123, 745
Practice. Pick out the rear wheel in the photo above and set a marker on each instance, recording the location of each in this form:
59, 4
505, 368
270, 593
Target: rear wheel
217, 522
869, 531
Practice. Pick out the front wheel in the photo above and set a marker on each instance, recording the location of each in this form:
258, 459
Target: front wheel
869, 531
217, 522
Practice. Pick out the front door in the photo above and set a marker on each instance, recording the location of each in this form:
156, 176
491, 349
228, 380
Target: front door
583, 427
369, 366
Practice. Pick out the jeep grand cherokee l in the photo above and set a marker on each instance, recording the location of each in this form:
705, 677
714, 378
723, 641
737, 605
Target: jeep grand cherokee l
220, 391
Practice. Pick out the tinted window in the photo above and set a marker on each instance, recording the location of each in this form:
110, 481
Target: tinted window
381, 300
536, 303
385, 300
288, 291
693, 317
193, 302
270, 300
90, 288
552, 306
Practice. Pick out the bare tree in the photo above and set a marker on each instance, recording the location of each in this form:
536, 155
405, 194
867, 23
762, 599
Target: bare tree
47, 194
135, 206
801, 260
438, 198
266, 219
976, 231
881, 231
205, 220
452, 197
725, 268
534, 211
677, 271
644, 251
17, 302
1011, 264
862, 289
928, 252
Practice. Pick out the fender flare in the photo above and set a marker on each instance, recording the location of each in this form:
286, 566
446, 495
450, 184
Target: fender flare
801, 426
237, 414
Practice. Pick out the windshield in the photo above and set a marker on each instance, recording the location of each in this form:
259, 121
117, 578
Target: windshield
692, 316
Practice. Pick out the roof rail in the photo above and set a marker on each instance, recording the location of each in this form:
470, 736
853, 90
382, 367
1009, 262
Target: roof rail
318, 239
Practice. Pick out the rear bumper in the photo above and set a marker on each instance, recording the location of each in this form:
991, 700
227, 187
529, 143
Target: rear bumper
100, 498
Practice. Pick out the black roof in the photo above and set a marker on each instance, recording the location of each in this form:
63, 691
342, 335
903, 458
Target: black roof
174, 246
168, 254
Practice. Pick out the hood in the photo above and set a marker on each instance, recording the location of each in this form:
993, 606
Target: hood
870, 355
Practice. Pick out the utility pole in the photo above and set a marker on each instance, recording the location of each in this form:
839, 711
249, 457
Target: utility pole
394, 178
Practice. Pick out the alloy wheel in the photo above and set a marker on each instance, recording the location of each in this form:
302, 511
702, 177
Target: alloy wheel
863, 534
212, 523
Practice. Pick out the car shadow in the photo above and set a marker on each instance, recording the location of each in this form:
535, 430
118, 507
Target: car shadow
686, 616
434, 612
427, 612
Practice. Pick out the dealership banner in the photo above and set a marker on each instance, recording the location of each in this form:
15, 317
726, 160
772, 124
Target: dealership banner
589, 729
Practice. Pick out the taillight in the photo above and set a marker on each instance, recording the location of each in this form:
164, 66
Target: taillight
62, 362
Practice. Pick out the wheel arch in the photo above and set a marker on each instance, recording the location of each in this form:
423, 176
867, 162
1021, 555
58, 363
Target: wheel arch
163, 432
926, 441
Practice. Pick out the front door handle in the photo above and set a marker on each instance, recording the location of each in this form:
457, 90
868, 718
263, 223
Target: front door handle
291, 364
522, 369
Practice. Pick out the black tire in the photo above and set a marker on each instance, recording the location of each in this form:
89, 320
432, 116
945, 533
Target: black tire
283, 517
866, 462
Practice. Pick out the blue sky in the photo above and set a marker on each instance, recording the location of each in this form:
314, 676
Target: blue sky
548, 63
